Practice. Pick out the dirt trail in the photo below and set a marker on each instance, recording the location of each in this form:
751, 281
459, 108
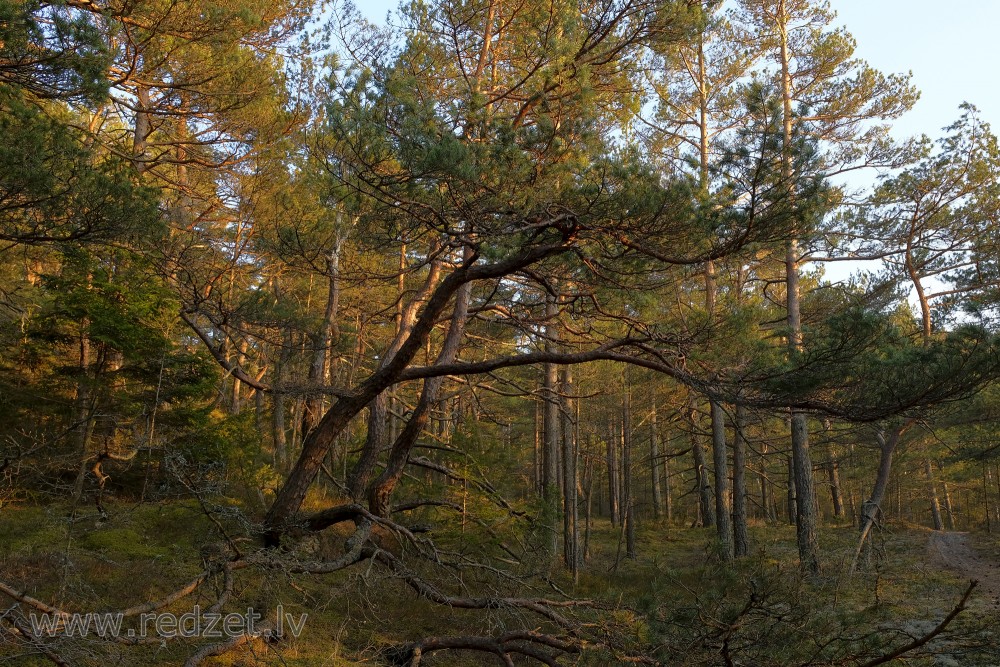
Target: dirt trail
954, 551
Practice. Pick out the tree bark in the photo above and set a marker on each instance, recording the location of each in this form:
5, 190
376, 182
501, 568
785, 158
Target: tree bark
613, 476
805, 509
571, 540
323, 341
791, 492
381, 489
551, 441
705, 510
723, 507
654, 464
872, 508
741, 538
627, 499
932, 490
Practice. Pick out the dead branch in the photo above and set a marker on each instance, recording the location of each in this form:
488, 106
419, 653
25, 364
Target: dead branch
920, 641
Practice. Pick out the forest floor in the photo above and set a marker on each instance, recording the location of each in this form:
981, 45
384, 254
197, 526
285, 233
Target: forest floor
671, 596
954, 551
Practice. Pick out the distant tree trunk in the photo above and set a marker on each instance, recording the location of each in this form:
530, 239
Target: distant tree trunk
833, 473
741, 539
948, 513
706, 512
83, 423
986, 498
236, 396
833, 469
654, 464
551, 440
791, 492
627, 499
932, 490
766, 493
536, 467
613, 476
323, 340
589, 474
668, 501
570, 533
723, 506
278, 436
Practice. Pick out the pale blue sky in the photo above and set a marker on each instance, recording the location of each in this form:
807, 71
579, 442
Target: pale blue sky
953, 50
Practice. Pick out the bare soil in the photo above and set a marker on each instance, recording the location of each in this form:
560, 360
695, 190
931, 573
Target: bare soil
954, 551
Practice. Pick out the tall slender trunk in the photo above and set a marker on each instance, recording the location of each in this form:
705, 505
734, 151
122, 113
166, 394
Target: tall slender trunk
654, 464
627, 499
551, 440
833, 470
805, 508
766, 493
723, 504
741, 538
83, 422
948, 512
791, 492
986, 498
536, 464
324, 339
668, 501
613, 476
705, 509
571, 541
932, 491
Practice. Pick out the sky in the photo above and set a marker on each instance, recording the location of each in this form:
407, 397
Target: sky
952, 49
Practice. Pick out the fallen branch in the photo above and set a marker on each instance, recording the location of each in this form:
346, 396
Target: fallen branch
920, 641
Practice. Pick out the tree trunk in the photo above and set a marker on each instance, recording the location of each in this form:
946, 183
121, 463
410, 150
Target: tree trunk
654, 464
741, 539
805, 509
613, 476
791, 492
627, 499
82, 412
833, 469
323, 341
570, 533
378, 412
932, 490
551, 441
668, 501
805, 518
948, 513
705, 510
381, 489
872, 508
723, 506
